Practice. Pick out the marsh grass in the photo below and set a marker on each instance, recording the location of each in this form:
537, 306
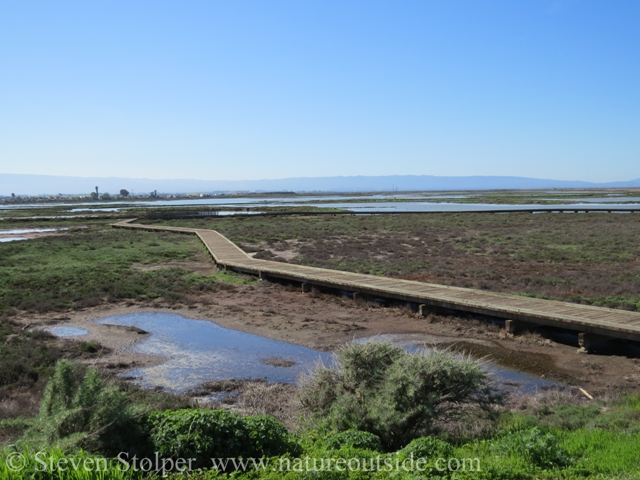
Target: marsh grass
582, 258
93, 266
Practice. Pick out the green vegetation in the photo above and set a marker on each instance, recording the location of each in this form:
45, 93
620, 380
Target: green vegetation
206, 434
93, 265
84, 267
80, 410
101, 428
354, 438
25, 358
380, 388
79, 465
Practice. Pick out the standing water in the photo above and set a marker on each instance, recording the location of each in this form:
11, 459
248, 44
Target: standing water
200, 351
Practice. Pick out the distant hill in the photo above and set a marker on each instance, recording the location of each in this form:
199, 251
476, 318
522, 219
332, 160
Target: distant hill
51, 185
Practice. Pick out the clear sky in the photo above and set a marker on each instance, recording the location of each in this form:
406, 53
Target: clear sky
272, 89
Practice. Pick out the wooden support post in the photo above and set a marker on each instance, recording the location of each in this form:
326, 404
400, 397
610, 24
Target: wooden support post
355, 296
261, 276
515, 326
586, 341
423, 311
305, 287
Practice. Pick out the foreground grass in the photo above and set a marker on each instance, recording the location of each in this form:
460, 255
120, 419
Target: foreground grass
606, 451
584, 258
549, 436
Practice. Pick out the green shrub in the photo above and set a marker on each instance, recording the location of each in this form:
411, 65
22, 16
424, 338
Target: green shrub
540, 448
206, 434
267, 435
83, 411
90, 347
25, 358
398, 396
356, 439
428, 447
570, 417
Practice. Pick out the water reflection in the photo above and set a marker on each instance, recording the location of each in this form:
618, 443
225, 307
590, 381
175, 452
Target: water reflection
67, 331
199, 351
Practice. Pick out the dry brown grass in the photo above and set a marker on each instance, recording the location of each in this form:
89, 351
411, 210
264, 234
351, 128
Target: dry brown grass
516, 401
251, 397
279, 400
22, 402
278, 362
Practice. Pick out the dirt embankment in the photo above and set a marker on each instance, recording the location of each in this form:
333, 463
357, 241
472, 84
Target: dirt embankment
326, 321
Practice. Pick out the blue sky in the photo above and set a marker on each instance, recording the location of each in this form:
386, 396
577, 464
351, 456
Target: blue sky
273, 89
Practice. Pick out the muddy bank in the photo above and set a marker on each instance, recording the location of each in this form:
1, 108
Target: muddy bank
324, 322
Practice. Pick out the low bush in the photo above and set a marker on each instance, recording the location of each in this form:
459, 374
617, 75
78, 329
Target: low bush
428, 447
356, 439
540, 448
398, 396
90, 347
206, 434
267, 436
82, 411
25, 357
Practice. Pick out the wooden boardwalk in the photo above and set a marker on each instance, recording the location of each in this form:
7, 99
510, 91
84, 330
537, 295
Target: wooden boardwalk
593, 323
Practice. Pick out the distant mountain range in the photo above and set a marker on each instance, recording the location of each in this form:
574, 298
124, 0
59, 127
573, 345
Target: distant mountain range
52, 185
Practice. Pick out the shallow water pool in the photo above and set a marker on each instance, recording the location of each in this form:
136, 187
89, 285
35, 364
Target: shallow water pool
67, 331
199, 351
